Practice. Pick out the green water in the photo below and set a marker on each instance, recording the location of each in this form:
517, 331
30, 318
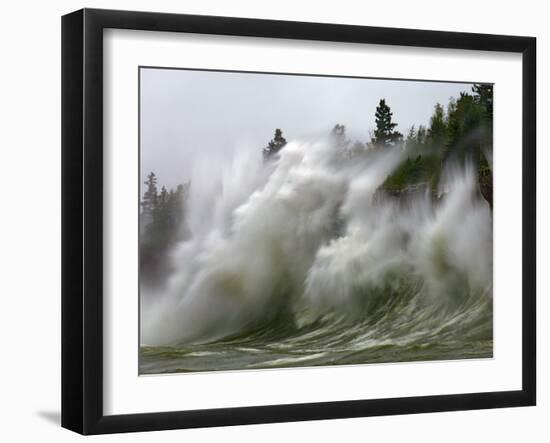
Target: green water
399, 332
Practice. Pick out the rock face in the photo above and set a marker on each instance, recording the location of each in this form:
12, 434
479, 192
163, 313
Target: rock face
406, 195
421, 177
485, 179
409, 190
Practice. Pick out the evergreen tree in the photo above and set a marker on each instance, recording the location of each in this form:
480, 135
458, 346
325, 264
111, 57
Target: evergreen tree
437, 133
465, 126
176, 214
339, 131
161, 222
275, 145
412, 139
385, 134
162, 226
150, 196
483, 95
470, 134
421, 135
338, 135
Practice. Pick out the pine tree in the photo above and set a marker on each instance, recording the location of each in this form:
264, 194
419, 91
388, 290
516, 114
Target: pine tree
338, 132
421, 135
385, 134
162, 226
275, 145
176, 210
483, 95
470, 134
437, 133
338, 137
465, 125
411, 140
150, 197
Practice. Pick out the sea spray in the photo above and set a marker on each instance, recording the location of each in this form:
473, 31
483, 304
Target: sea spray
306, 253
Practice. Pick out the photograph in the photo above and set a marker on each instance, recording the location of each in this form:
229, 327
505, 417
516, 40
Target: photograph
293, 217
300, 220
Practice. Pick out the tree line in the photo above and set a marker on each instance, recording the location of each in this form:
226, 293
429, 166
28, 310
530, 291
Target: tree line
463, 131
162, 225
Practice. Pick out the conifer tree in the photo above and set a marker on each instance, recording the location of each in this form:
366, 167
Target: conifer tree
411, 140
338, 136
162, 226
275, 145
437, 132
385, 134
150, 197
421, 135
483, 94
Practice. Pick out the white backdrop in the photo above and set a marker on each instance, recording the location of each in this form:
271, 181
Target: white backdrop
30, 226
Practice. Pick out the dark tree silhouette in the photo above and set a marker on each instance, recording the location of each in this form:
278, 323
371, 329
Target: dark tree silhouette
150, 197
338, 135
483, 95
275, 145
162, 223
437, 132
385, 134
411, 139
421, 135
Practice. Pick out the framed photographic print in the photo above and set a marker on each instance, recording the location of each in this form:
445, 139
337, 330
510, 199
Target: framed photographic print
269, 221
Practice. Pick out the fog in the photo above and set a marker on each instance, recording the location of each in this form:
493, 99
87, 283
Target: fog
191, 117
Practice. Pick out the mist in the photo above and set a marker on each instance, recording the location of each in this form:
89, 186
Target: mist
186, 116
323, 243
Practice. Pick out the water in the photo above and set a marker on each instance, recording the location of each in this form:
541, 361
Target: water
303, 262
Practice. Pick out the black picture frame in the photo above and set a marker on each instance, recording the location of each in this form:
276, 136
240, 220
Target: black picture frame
82, 220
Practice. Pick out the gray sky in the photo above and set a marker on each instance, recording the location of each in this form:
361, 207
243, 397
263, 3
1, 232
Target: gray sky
188, 116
